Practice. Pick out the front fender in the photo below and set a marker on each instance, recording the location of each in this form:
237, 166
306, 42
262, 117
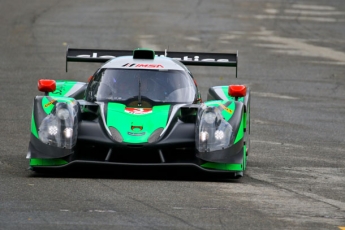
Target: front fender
221, 140
54, 125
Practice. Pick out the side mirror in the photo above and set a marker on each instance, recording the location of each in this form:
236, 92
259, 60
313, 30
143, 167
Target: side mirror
237, 91
46, 85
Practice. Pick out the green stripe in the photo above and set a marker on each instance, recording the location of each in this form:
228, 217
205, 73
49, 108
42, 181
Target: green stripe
240, 132
244, 158
62, 87
47, 162
47, 104
33, 126
226, 113
228, 167
223, 166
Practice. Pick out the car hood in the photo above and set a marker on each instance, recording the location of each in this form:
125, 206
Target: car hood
136, 125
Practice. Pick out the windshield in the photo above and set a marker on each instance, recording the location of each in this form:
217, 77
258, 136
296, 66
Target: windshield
173, 86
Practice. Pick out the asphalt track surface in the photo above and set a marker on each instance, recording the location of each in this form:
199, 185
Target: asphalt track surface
291, 54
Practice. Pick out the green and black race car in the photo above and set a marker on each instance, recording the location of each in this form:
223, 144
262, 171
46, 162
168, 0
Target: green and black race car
141, 108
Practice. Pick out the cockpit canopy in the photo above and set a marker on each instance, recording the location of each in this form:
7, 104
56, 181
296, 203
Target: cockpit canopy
158, 86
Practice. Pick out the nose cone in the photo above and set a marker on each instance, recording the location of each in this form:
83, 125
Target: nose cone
136, 125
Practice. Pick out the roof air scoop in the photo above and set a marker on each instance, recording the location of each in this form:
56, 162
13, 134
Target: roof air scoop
143, 54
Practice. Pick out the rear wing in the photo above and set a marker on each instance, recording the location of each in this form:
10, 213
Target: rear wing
187, 58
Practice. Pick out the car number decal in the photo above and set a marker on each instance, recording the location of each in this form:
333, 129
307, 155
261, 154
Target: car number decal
138, 111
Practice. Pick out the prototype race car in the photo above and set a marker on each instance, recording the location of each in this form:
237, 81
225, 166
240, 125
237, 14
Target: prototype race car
141, 108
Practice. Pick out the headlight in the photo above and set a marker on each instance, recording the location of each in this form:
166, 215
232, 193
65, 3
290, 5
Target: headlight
210, 117
203, 136
212, 131
62, 113
68, 132
53, 130
60, 127
219, 134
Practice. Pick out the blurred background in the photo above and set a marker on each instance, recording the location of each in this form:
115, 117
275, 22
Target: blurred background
291, 55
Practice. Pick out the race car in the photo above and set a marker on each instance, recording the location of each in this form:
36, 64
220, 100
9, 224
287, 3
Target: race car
141, 108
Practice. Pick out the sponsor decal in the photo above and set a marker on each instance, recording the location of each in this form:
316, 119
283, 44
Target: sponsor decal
196, 58
49, 103
138, 65
138, 111
136, 134
185, 58
226, 108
